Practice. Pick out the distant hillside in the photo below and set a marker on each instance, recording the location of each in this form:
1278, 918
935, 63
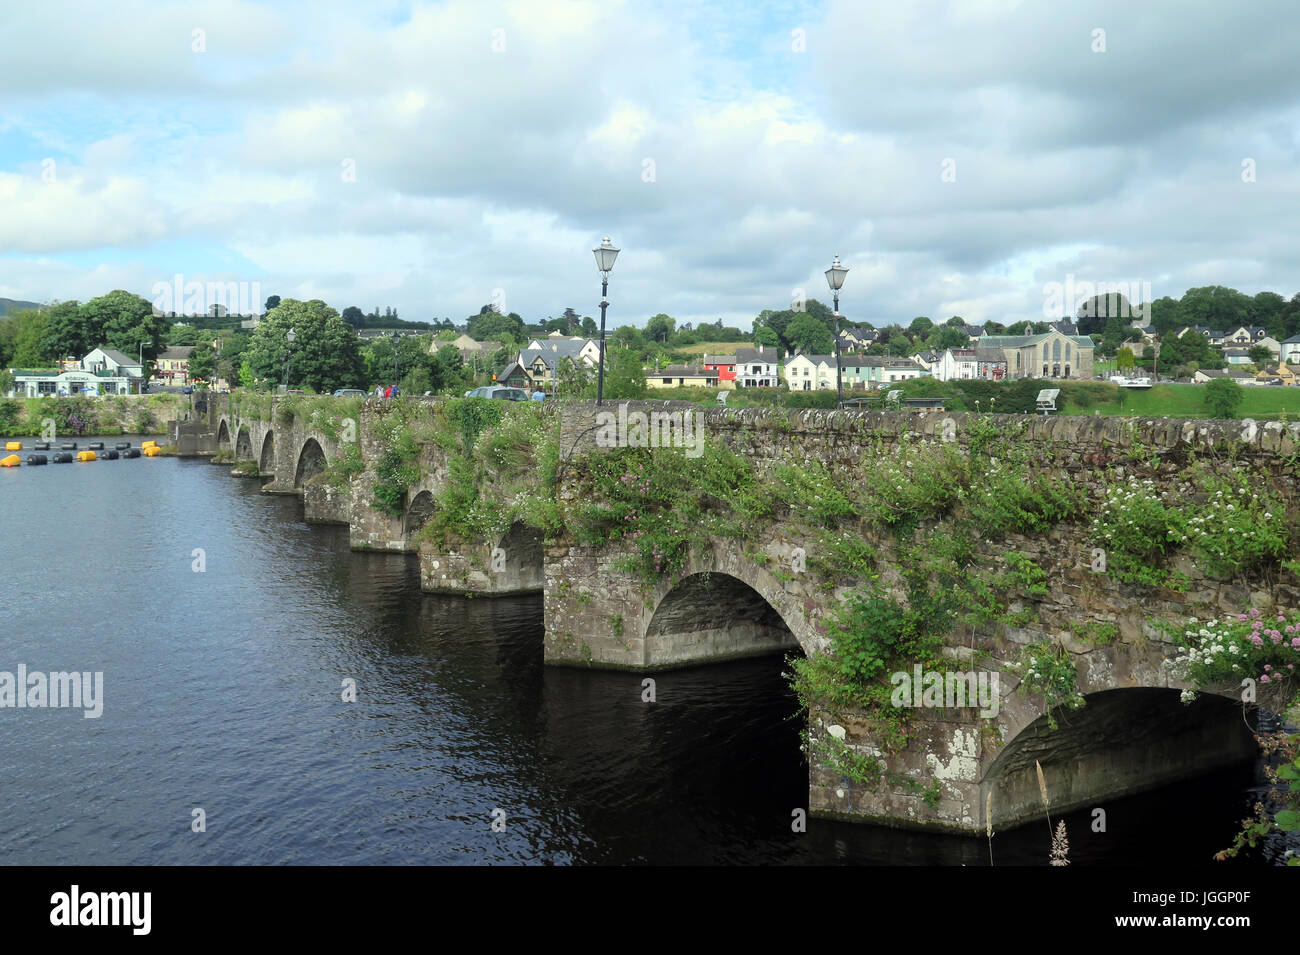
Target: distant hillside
13, 305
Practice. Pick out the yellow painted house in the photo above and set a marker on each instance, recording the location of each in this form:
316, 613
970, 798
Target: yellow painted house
1278, 372
678, 376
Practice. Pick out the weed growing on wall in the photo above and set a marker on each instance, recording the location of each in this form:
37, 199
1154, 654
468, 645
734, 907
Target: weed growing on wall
1264, 648
1047, 669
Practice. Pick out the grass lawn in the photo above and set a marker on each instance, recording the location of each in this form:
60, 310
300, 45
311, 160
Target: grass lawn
712, 348
1188, 401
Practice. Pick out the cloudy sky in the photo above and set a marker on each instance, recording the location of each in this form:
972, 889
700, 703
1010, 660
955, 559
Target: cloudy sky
958, 156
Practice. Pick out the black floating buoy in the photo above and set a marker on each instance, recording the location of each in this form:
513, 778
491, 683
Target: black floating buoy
63, 457
68, 446
108, 455
43, 446
96, 445
131, 453
36, 459
122, 445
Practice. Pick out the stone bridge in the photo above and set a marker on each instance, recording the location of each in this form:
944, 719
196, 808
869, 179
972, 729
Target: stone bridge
734, 599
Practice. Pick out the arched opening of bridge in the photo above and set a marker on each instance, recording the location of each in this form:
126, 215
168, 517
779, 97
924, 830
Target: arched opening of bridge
266, 461
418, 514
311, 462
517, 559
1122, 742
243, 446
714, 616
223, 436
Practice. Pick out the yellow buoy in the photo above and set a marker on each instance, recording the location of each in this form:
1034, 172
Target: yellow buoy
13, 445
148, 444
87, 456
151, 451
11, 462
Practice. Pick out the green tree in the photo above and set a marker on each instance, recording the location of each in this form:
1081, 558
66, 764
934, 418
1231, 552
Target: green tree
624, 378
1259, 354
945, 337
1222, 397
272, 301
1216, 306
1167, 316
810, 335
202, 362
124, 321
660, 327
182, 335
65, 332
1124, 359
326, 355
21, 334
1268, 309
492, 324
589, 328
354, 316
920, 327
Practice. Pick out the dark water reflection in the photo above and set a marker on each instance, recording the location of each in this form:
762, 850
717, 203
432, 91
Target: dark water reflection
223, 692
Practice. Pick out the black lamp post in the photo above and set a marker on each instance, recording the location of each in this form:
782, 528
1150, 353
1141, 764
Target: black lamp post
290, 338
605, 256
835, 278
395, 376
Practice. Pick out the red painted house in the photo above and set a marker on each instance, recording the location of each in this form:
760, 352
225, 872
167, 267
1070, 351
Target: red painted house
724, 365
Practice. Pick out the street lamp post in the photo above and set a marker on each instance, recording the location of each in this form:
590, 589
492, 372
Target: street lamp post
605, 256
143, 379
835, 278
395, 359
290, 338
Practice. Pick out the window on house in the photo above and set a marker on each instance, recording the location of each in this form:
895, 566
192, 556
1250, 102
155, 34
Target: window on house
668, 381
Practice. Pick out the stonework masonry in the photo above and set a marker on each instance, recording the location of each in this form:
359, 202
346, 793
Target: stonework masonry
735, 600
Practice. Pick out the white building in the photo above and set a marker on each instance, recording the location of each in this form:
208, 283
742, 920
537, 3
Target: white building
757, 368
1291, 350
103, 371
954, 364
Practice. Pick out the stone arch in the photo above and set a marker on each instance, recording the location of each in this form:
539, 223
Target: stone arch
243, 446
518, 558
418, 513
223, 436
1123, 741
266, 460
311, 462
714, 615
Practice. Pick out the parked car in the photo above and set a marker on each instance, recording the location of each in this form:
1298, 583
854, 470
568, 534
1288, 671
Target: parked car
349, 393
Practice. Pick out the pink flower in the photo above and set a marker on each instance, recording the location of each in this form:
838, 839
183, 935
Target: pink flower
1241, 616
1268, 666
1263, 678
1257, 640
1254, 611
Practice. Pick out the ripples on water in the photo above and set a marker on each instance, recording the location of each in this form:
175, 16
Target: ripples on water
222, 691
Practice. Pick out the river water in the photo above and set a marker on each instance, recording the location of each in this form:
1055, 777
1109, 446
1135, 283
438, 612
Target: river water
222, 693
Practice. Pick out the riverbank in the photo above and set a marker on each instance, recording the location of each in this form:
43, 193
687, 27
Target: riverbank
76, 415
